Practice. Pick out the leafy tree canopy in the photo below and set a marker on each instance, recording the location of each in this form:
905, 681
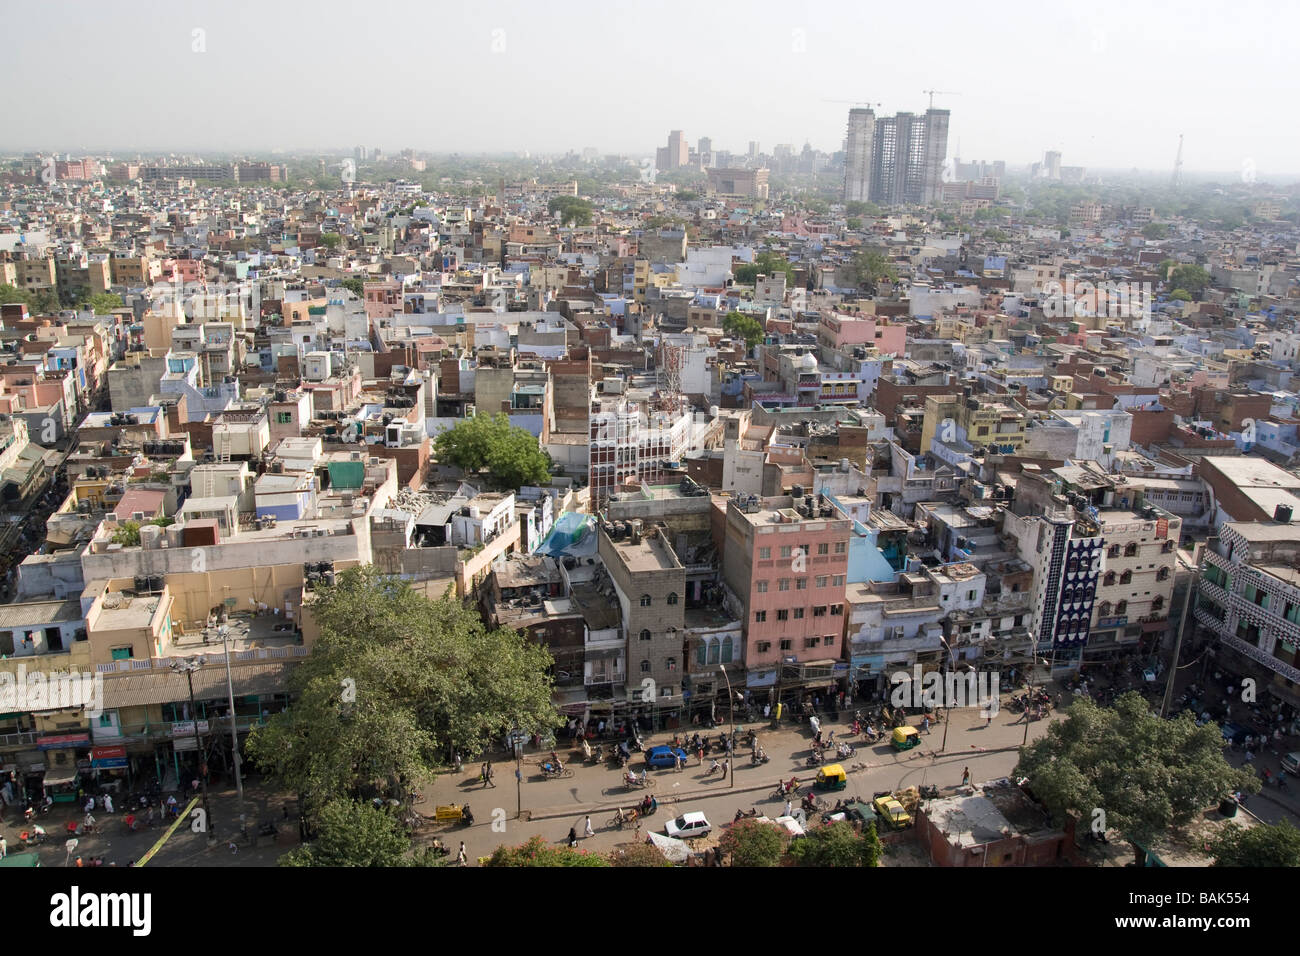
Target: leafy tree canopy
537, 853
102, 303
394, 683
766, 263
754, 843
352, 833
511, 455
1189, 277
743, 326
331, 240
1260, 845
1147, 774
837, 845
571, 209
357, 286
856, 208
38, 302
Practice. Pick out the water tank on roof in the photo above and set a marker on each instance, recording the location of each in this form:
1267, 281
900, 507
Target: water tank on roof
1282, 514
797, 492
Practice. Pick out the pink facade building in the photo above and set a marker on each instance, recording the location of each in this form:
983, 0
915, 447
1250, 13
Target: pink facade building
787, 561
838, 331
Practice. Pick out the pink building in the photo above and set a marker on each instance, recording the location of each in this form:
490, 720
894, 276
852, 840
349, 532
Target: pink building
787, 560
182, 270
838, 331
383, 299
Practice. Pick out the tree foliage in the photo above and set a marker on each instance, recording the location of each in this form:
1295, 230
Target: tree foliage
1260, 845
571, 209
38, 302
743, 326
331, 240
865, 271
1147, 774
1155, 230
537, 853
101, 303
511, 455
394, 683
638, 854
837, 845
766, 263
856, 208
1182, 295
1189, 277
352, 833
357, 286
754, 843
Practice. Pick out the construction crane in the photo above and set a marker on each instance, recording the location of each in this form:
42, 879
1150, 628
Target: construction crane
854, 102
941, 93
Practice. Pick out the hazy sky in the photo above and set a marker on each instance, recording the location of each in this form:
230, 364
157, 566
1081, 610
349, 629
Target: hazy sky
1110, 84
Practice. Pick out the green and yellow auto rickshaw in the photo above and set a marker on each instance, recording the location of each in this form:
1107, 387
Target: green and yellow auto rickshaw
831, 777
905, 738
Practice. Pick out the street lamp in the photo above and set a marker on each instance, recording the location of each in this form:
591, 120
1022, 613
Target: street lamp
234, 732
731, 705
188, 667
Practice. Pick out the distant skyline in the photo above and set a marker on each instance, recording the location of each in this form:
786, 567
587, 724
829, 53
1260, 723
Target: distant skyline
1111, 86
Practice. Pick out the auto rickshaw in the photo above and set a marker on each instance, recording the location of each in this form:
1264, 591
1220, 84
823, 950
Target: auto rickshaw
831, 777
905, 738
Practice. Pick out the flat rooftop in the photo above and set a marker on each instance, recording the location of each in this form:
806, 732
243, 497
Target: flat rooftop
651, 553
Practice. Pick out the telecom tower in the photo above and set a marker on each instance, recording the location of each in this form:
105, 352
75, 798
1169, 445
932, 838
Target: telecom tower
1178, 165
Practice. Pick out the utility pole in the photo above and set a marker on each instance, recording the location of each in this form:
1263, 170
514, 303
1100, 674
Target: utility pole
1178, 643
188, 667
234, 735
731, 704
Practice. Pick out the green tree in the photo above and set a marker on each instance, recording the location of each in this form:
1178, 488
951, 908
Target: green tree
102, 303
638, 854
331, 240
766, 263
687, 195
754, 843
537, 853
1163, 268
127, 534
1260, 845
1155, 230
1181, 295
394, 684
854, 223
511, 455
856, 208
1189, 277
571, 209
865, 271
1147, 774
352, 833
357, 286
38, 302
837, 845
743, 326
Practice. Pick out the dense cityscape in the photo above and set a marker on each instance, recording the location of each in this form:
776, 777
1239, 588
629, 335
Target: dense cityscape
716, 505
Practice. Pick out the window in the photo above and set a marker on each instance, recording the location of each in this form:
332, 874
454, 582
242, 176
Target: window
829, 640
801, 584
645, 667
787, 644
1121, 607
1162, 574
672, 597
798, 614
970, 595
671, 663
764, 554
702, 652
1157, 602
837, 580
840, 547
763, 646
122, 653
821, 580
785, 551
823, 549
727, 649
783, 584
783, 615
106, 719
1130, 549
1109, 579
1126, 577
760, 617
283, 418
1112, 551
761, 587
645, 600
811, 641
837, 609
645, 635
1103, 609
1166, 547
819, 611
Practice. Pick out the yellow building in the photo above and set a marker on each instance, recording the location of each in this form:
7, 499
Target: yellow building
981, 424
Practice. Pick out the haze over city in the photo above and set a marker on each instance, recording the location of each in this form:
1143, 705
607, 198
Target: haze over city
1110, 85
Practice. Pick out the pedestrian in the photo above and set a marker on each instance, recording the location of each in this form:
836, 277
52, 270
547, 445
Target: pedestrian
461, 856
965, 777
573, 837
171, 805
677, 758
89, 822
108, 804
925, 724
988, 719
4, 848
488, 779
90, 804
725, 764
588, 831
788, 806
699, 754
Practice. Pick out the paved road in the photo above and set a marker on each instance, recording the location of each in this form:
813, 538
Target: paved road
556, 805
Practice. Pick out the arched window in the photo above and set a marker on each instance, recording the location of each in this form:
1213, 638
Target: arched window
1073, 565
1109, 579
1157, 602
1112, 551
726, 649
1121, 607
645, 600
645, 667
701, 654
1103, 610
1162, 574
1130, 549
1126, 577
672, 597
713, 652
645, 635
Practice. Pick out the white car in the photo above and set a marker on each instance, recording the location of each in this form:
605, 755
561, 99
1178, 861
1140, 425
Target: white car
688, 825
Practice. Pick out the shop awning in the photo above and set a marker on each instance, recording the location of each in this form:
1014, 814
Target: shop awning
55, 776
